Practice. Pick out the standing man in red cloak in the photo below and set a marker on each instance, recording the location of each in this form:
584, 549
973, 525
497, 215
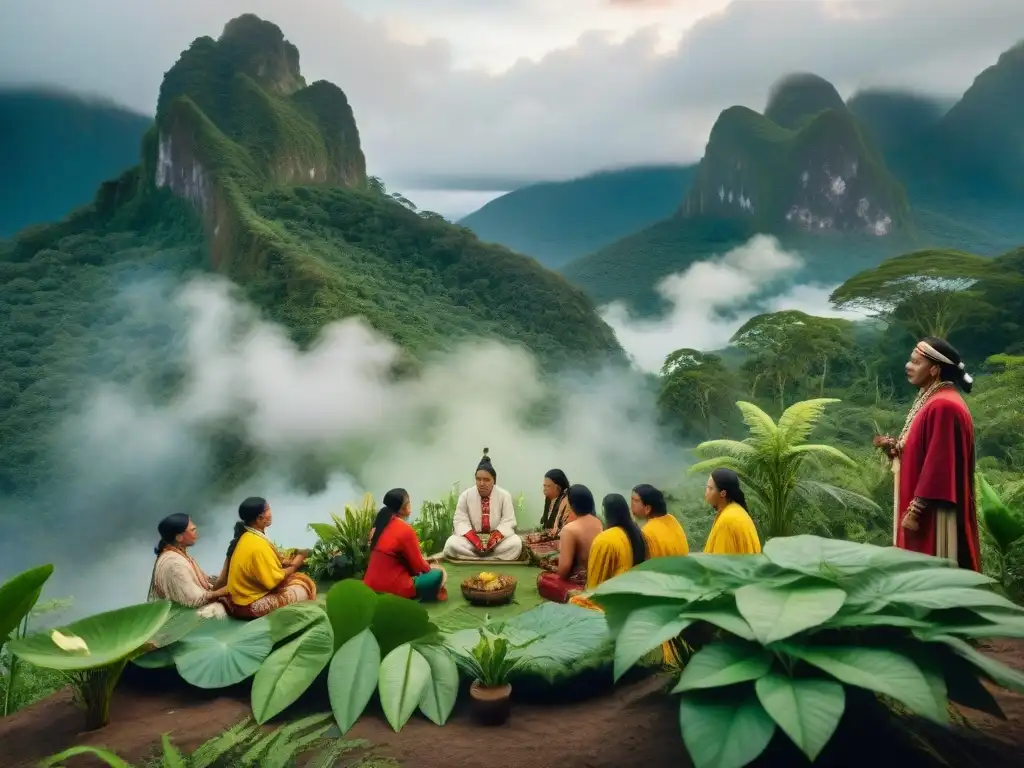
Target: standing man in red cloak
933, 460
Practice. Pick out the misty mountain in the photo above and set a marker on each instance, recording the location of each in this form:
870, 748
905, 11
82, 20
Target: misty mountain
252, 174
558, 221
55, 149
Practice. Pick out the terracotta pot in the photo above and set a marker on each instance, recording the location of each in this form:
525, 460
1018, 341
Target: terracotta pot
490, 705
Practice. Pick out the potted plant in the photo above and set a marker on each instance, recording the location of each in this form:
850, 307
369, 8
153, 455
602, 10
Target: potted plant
490, 667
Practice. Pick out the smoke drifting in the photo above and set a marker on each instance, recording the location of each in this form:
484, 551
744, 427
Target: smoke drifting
711, 299
131, 459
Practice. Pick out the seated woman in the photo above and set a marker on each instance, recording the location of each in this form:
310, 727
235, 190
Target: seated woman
396, 564
569, 576
259, 579
664, 535
556, 514
177, 577
617, 549
733, 532
485, 520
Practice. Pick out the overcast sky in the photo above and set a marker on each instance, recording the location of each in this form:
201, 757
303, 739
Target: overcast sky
458, 98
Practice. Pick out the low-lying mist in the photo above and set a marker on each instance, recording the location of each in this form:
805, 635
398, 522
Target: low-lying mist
131, 457
710, 300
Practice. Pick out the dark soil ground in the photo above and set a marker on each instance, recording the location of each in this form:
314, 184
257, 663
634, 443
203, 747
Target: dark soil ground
633, 724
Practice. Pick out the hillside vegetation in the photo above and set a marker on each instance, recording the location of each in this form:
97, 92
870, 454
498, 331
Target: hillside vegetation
556, 222
251, 173
55, 149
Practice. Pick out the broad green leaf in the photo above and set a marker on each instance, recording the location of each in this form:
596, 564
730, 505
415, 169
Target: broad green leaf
876, 669
703, 570
836, 558
161, 658
998, 673
105, 755
404, 676
180, 622
953, 597
290, 670
723, 663
351, 606
724, 731
653, 583
853, 619
1003, 524
617, 607
808, 709
325, 531
723, 618
110, 637
17, 597
352, 678
397, 621
223, 652
442, 689
289, 620
775, 613
873, 590
643, 631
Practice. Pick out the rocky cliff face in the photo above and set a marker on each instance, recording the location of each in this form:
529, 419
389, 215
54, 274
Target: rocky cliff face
237, 111
817, 172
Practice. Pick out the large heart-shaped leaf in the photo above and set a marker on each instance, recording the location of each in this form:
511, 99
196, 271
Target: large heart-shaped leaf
835, 558
723, 663
180, 622
289, 620
955, 597
1006, 526
876, 669
109, 637
352, 678
223, 652
1000, 674
404, 676
290, 670
643, 631
775, 613
724, 730
722, 616
397, 621
17, 597
652, 583
351, 606
873, 590
808, 710
442, 689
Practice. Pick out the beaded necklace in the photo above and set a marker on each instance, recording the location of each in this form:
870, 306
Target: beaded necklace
923, 397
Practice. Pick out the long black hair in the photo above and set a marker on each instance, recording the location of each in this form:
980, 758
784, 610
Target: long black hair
617, 515
169, 528
728, 482
954, 373
653, 498
248, 511
581, 500
556, 476
394, 500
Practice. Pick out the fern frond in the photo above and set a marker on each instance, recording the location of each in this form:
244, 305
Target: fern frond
208, 753
728, 462
812, 490
817, 450
799, 420
762, 427
329, 756
733, 448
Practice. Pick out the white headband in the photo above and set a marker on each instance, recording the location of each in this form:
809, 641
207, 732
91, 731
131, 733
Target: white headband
932, 353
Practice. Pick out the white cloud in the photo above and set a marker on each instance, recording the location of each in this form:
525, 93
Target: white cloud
704, 297
600, 90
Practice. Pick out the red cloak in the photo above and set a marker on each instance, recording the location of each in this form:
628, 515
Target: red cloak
937, 466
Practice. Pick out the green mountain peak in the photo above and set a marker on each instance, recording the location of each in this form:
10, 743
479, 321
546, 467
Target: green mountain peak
798, 96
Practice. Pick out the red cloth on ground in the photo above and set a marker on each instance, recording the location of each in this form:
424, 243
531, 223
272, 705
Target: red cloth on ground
553, 587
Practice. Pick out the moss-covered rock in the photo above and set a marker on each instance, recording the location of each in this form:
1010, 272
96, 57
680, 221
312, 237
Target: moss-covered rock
818, 170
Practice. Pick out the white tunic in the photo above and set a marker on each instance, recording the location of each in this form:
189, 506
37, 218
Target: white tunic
469, 516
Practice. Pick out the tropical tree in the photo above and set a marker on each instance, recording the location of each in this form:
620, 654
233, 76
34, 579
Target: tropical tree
773, 463
694, 388
927, 292
791, 346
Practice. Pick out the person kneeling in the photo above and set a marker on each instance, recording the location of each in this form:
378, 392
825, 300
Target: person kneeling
259, 580
484, 510
396, 563
569, 577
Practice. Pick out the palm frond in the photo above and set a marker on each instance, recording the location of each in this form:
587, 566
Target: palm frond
799, 420
728, 462
734, 448
762, 427
813, 490
818, 450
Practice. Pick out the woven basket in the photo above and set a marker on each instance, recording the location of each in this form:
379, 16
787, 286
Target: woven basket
476, 596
